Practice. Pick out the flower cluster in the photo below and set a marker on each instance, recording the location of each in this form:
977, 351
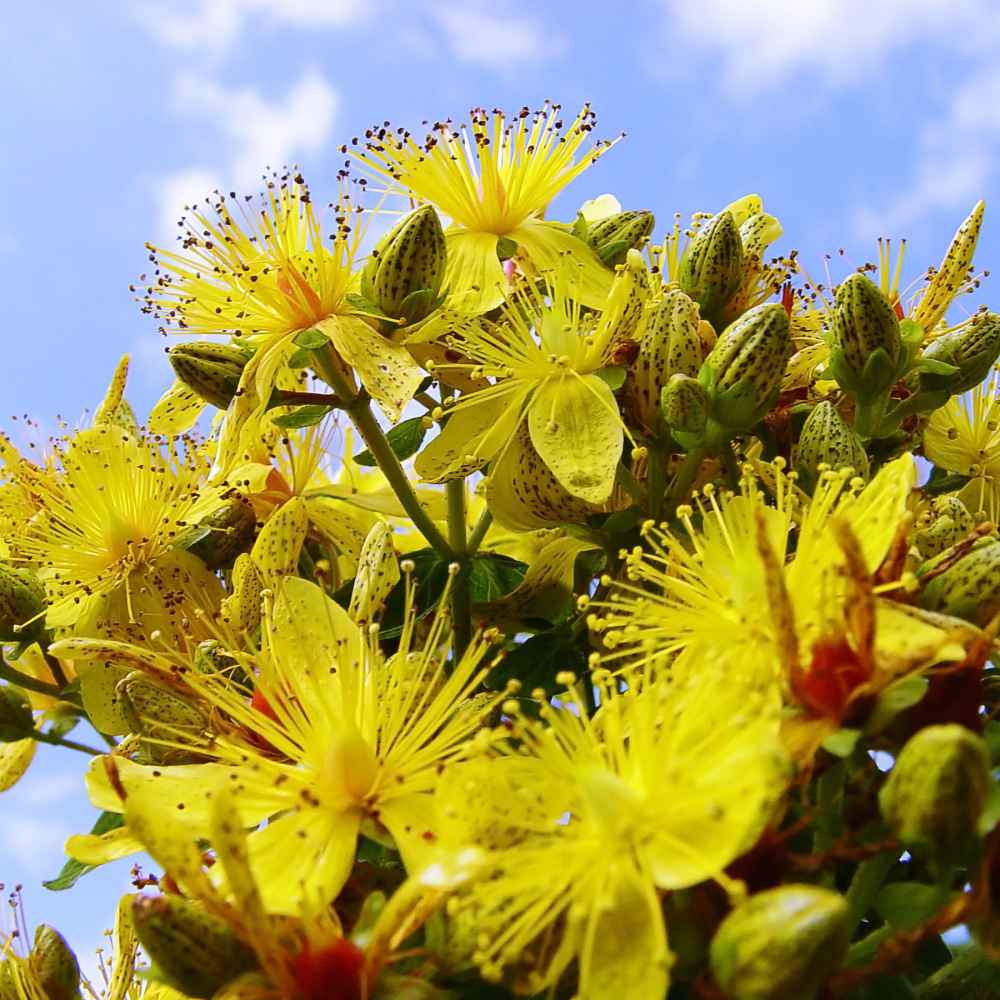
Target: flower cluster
537, 611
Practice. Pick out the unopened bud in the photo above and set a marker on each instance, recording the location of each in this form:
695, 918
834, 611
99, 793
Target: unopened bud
16, 720
712, 266
194, 951
221, 536
211, 371
969, 587
156, 712
949, 278
684, 404
670, 344
782, 943
936, 792
744, 369
614, 236
951, 522
404, 273
242, 607
22, 600
826, 439
210, 658
866, 343
972, 348
54, 965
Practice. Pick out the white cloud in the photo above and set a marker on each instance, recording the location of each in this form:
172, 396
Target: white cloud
760, 43
216, 25
32, 843
477, 35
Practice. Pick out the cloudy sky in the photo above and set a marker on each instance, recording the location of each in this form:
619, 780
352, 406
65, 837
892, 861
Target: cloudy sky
852, 118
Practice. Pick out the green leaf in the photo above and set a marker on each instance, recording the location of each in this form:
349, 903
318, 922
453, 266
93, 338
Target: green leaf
377, 854
536, 661
302, 358
74, 870
991, 811
614, 376
991, 734
943, 481
622, 521
431, 573
303, 416
506, 248
311, 340
405, 440
492, 576
907, 905
16, 720
896, 698
842, 742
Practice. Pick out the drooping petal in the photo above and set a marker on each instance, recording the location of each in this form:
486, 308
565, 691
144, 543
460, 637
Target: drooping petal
474, 278
577, 431
378, 573
548, 244
15, 759
176, 411
411, 821
100, 848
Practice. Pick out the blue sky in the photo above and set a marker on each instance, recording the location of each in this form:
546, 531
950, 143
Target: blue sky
852, 119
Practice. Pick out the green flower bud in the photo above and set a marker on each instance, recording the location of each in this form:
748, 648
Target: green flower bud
54, 965
670, 344
782, 943
972, 348
211, 371
156, 712
826, 439
221, 536
950, 523
684, 404
712, 266
404, 273
16, 720
210, 658
969, 587
936, 792
22, 599
865, 341
744, 369
613, 237
194, 951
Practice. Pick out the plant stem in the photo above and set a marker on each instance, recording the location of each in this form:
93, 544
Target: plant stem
55, 667
482, 526
656, 480
288, 397
868, 416
729, 463
461, 598
681, 485
631, 485
9, 673
61, 741
359, 410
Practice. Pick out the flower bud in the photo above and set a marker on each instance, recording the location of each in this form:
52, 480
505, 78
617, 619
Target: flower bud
684, 404
221, 536
210, 658
936, 792
972, 348
404, 273
951, 522
211, 371
156, 712
194, 951
16, 720
670, 344
781, 943
953, 272
54, 965
712, 266
826, 439
744, 369
22, 600
865, 339
969, 587
614, 236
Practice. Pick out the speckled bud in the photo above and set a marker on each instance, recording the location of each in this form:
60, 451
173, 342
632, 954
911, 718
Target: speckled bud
159, 713
194, 951
969, 587
22, 598
826, 439
211, 371
221, 536
712, 266
211, 659
404, 273
684, 404
865, 339
950, 522
613, 237
242, 607
15, 714
744, 369
671, 344
936, 792
781, 943
54, 965
972, 348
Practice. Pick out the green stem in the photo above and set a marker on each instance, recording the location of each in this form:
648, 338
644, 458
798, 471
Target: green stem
479, 531
287, 397
867, 880
686, 474
632, 486
461, 597
55, 667
656, 480
730, 465
9, 673
61, 741
359, 410
868, 416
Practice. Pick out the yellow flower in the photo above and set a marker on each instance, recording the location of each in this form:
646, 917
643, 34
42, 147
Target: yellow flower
545, 355
494, 178
583, 820
266, 277
339, 739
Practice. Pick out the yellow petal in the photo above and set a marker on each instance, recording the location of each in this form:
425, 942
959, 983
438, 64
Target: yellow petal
577, 431
15, 759
276, 551
341, 527
378, 573
108, 408
549, 244
474, 279
98, 691
176, 411
387, 370
411, 821
100, 848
